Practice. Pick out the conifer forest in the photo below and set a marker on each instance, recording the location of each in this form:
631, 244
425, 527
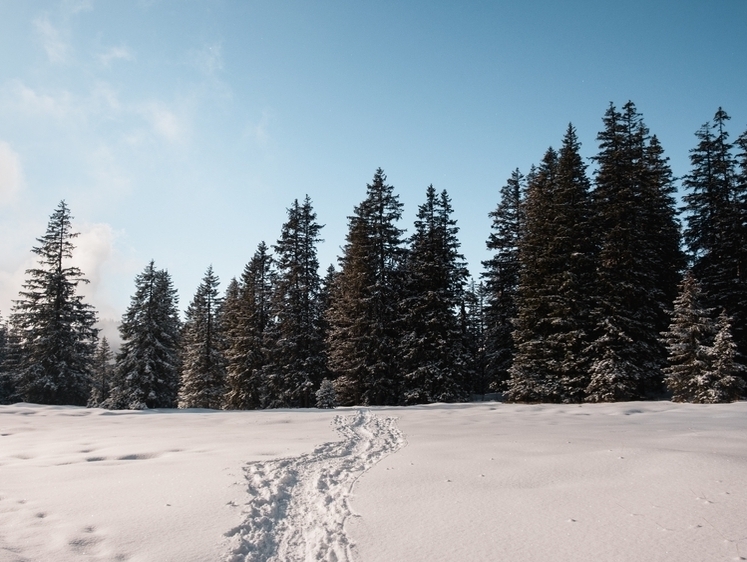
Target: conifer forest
602, 286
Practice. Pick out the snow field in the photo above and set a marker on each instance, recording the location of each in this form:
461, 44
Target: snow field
298, 506
634, 481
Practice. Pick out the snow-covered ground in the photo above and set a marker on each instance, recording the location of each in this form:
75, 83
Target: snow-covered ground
633, 481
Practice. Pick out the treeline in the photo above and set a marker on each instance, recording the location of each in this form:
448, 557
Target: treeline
594, 293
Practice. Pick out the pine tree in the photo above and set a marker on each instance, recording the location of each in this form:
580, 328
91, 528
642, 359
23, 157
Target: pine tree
203, 362
472, 325
297, 362
7, 386
363, 316
716, 232
432, 358
502, 280
554, 296
11, 362
246, 332
54, 324
638, 261
723, 381
326, 396
688, 338
102, 374
147, 369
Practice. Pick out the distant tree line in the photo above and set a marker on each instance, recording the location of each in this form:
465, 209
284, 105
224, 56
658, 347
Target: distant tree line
593, 293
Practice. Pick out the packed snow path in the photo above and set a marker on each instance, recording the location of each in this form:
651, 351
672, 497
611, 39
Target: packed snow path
298, 506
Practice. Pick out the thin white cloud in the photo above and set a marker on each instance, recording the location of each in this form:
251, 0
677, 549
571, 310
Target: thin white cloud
76, 6
58, 50
259, 132
115, 54
105, 99
209, 59
11, 174
164, 121
29, 101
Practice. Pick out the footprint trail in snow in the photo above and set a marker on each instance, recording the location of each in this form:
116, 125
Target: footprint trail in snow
298, 506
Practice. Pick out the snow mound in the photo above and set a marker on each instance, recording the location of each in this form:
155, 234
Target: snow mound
298, 505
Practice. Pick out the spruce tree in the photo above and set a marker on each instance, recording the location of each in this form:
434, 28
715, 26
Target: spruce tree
472, 326
57, 337
246, 333
688, 340
203, 362
363, 315
638, 260
433, 359
716, 215
7, 385
723, 381
103, 371
554, 296
326, 396
501, 277
296, 363
147, 369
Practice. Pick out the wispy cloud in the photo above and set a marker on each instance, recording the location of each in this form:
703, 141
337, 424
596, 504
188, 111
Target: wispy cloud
259, 132
29, 101
114, 54
11, 174
76, 6
57, 48
164, 121
209, 59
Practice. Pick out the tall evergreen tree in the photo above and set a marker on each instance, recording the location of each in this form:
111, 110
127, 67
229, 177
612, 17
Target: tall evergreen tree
103, 371
638, 261
203, 362
724, 380
246, 326
147, 370
716, 232
554, 297
702, 366
433, 359
472, 324
54, 324
688, 338
297, 363
7, 385
363, 316
502, 280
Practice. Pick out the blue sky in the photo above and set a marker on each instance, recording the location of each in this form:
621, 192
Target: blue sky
180, 131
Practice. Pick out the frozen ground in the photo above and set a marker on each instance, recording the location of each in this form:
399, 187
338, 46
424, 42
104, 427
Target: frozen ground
634, 481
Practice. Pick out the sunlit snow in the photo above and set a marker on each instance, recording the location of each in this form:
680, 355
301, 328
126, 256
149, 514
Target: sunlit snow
628, 481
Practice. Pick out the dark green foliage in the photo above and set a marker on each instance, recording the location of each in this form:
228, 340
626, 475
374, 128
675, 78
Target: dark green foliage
502, 281
55, 327
103, 371
7, 382
246, 320
555, 282
296, 363
203, 362
701, 366
638, 259
472, 326
326, 396
147, 370
363, 315
716, 232
433, 359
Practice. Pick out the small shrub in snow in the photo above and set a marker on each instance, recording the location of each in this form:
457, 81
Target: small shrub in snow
326, 396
